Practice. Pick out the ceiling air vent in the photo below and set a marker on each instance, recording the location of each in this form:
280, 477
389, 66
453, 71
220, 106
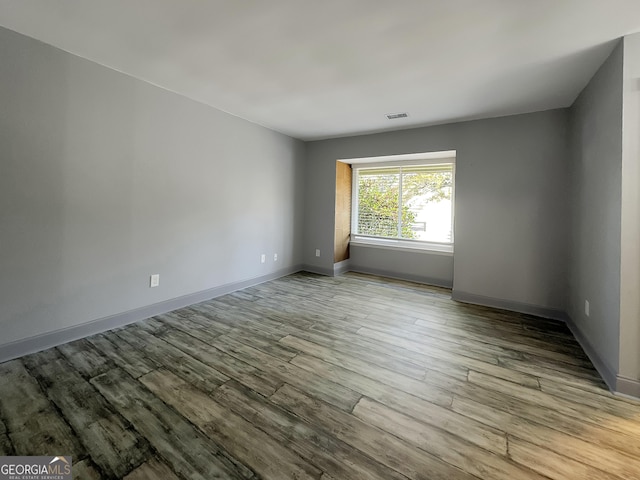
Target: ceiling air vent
393, 116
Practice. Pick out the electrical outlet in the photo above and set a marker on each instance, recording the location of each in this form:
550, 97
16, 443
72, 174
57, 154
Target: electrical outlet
317, 252
275, 257
586, 307
263, 258
154, 280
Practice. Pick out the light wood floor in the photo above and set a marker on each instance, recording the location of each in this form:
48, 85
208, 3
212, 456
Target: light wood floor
310, 377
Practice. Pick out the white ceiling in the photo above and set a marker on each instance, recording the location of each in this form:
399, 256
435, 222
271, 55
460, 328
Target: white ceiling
323, 68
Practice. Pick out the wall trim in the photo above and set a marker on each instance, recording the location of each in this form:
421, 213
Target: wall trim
537, 310
436, 282
433, 249
341, 267
607, 373
47, 340
318, 270
627, 387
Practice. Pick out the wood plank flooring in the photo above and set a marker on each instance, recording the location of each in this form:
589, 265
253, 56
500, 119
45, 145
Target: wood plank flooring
310, 377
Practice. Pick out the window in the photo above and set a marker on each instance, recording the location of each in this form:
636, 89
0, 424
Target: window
404, 204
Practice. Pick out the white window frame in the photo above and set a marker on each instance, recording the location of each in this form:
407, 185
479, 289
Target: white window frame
445, 158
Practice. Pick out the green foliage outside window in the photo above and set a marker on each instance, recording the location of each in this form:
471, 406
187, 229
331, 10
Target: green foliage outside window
378, 206
379, 199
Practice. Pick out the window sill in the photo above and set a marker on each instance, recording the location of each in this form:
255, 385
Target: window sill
393, 244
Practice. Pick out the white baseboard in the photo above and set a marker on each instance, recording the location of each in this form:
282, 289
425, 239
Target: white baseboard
341, 267
319, 270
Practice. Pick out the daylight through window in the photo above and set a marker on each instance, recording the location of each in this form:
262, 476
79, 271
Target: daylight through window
409, 202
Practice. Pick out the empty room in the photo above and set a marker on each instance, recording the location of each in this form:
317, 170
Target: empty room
338, 240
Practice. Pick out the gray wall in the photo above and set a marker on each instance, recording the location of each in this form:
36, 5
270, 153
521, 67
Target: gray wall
105, 179
511, 206
430, 268
596, 144
629, 374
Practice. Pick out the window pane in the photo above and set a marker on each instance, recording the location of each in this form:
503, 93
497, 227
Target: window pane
426, 197
378, 202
